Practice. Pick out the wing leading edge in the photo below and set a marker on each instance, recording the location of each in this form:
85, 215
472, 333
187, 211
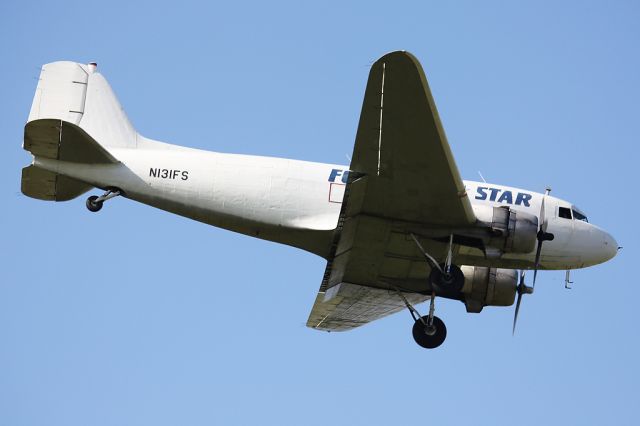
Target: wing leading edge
402, 175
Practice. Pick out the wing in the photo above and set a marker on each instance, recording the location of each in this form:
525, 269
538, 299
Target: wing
401, 146
403, 177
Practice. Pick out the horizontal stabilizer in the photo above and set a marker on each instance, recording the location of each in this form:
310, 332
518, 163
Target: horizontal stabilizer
64, 141
45, 185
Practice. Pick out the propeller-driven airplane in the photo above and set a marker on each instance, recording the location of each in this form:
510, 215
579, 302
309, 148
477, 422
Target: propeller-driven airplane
397, 227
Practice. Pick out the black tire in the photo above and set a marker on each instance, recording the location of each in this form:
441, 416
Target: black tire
451, 285
429, 341
94, 205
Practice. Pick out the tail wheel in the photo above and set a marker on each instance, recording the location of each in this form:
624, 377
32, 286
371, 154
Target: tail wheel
94, 205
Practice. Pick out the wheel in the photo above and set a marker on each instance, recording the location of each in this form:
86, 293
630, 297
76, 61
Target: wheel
451, 284
429, 338
94, 205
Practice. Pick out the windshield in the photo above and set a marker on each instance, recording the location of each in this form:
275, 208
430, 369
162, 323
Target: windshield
578, 215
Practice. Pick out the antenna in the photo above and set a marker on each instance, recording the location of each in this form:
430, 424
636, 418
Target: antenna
567, 280
481, 177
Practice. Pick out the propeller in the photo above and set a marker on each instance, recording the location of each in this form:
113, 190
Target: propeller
521, 289
542, 236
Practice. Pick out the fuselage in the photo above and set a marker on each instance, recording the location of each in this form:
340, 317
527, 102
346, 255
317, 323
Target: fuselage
298, 202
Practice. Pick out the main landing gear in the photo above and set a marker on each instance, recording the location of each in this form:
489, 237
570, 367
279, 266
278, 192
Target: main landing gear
94, 203
429, 331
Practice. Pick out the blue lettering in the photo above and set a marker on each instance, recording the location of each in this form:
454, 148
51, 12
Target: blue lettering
482, 194
506, 197
494, 193
334, 174
345, 177
523, 199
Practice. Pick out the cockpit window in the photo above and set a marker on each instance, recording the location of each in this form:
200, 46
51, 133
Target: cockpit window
564, 212
578, 215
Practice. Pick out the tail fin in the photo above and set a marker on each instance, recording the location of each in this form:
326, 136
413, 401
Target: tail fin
77, 94
75, 117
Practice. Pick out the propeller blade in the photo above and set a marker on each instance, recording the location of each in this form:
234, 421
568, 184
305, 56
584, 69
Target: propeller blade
515, 317
542, 236
521, 289
537, 261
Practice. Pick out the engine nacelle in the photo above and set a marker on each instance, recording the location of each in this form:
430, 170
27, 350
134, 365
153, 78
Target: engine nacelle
488, 287
511, 231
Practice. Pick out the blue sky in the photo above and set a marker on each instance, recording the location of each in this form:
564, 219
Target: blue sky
135, 316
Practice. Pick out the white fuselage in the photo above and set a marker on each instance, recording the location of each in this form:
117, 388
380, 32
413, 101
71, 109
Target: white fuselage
298, 203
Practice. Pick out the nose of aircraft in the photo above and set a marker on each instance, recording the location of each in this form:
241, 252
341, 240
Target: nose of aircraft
610, 247
595, 245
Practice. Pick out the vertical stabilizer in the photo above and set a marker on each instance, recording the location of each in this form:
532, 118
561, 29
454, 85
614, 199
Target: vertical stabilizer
78, 94
104, 118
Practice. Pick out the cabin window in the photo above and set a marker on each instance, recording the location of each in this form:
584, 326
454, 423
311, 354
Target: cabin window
564, 212
578, 215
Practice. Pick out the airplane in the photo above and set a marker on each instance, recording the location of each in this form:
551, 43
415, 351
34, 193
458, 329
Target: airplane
397, 227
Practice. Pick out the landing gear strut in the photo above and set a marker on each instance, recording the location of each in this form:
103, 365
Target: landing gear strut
429, 331
450, 282
94, 203
446, 278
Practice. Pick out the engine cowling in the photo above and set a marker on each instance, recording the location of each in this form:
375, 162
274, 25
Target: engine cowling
511, 231
488, 287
